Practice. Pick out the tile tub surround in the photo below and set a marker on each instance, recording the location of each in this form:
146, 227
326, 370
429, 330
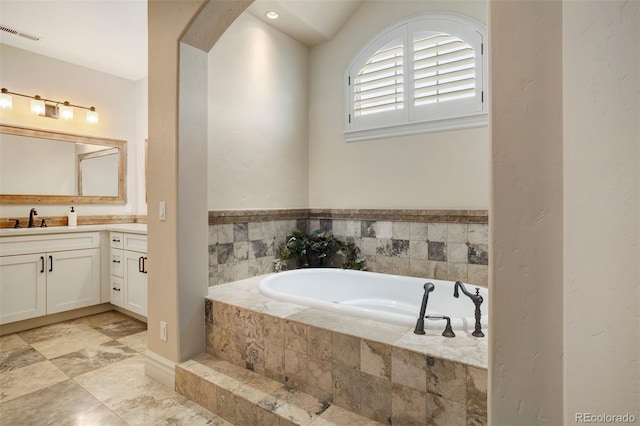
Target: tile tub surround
380, 371
439, 244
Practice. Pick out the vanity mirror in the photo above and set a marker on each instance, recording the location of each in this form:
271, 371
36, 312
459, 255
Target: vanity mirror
38, 166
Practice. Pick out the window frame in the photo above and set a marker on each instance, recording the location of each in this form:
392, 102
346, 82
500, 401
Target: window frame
426, 118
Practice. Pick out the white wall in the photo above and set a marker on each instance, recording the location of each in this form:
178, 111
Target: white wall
116, 99
257, 118
601, 109
447, 170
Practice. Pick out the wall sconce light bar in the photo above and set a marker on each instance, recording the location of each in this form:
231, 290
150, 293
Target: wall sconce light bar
48, 107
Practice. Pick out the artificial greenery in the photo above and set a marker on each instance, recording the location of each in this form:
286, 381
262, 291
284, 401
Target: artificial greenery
317, 249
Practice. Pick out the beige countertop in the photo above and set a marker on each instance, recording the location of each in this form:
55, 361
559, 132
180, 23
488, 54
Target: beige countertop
134, 228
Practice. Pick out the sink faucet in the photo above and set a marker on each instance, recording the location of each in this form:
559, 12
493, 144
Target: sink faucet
428, 288
32, 213
477, 300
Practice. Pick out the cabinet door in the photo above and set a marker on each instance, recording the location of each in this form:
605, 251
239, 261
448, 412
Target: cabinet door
23, 288
117, 288
135, 282
73, 279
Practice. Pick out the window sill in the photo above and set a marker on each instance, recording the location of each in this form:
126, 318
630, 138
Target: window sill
409, 129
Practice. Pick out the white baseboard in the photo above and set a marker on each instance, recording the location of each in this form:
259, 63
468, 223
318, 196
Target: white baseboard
160, 369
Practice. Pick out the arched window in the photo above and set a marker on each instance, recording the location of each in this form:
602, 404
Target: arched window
424, 74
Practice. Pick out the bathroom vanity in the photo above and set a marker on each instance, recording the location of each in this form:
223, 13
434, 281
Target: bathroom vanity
128, 263
45, 271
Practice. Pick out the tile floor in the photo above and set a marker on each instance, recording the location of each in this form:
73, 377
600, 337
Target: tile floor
88, 371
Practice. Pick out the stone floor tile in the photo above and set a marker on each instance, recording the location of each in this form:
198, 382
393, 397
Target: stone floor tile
89, 359
123, 328
13, 359
31, 378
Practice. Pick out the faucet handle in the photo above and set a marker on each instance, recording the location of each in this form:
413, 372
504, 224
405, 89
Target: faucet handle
43, 224
448, 331
17, 224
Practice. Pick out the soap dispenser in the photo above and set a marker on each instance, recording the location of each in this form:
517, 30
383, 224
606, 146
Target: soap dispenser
72, 218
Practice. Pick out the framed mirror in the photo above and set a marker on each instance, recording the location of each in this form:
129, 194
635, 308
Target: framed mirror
39, 166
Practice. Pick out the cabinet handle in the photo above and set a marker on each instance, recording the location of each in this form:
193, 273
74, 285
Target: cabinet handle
115, 261
50, 263
141, 264
41, 264
115, 240
116, 289
144, 264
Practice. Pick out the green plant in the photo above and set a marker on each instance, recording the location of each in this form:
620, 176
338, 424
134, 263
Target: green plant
317, 249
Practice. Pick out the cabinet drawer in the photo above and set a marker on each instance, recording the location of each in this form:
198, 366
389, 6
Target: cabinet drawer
117, 240
26, 244
135, 242
116, 260
116, 288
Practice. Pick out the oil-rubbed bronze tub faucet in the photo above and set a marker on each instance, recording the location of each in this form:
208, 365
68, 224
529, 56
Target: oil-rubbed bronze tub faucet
428, 288
477, 300
32, 213
448, 332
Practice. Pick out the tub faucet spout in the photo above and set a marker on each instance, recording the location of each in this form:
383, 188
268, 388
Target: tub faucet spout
428, 288
32, 213
477, 300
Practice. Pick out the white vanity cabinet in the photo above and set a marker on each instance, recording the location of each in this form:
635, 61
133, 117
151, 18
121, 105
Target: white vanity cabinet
128, 257
47, 274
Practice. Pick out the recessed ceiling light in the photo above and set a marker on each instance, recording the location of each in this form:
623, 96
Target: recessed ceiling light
272, 15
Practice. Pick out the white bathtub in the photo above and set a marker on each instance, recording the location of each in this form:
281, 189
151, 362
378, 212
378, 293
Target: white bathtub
389, 298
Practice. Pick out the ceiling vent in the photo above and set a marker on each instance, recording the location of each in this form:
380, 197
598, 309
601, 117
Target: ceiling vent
18, 33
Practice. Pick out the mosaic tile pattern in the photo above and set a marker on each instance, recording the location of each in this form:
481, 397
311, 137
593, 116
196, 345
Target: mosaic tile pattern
449, 251
88, 371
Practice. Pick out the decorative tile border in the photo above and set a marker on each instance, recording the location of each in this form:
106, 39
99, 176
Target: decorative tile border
403, 215
396, 215
236, 216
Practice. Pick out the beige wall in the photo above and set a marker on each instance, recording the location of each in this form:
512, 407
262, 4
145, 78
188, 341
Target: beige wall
525, 358
167, 23
448, 170
564, 304
258, 109
122, 115
601, 107
177, 165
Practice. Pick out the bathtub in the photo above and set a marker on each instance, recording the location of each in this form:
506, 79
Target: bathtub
389, 298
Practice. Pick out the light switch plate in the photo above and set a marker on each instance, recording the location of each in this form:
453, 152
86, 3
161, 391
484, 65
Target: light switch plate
163, 210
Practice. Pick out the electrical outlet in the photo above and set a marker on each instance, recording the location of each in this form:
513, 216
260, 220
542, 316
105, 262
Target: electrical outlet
163, 331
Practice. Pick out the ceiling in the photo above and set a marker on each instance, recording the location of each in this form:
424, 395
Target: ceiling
111, 35
309, 21
108, 36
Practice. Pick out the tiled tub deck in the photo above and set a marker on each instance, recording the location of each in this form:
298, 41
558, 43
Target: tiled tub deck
381, 371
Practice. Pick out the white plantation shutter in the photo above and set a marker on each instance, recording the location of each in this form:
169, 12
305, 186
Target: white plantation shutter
422, 75
379, 85
444, 69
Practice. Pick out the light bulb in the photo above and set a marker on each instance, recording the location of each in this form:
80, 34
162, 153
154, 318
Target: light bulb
66, 111
92, 116
272, 15
6, 101
37, 105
